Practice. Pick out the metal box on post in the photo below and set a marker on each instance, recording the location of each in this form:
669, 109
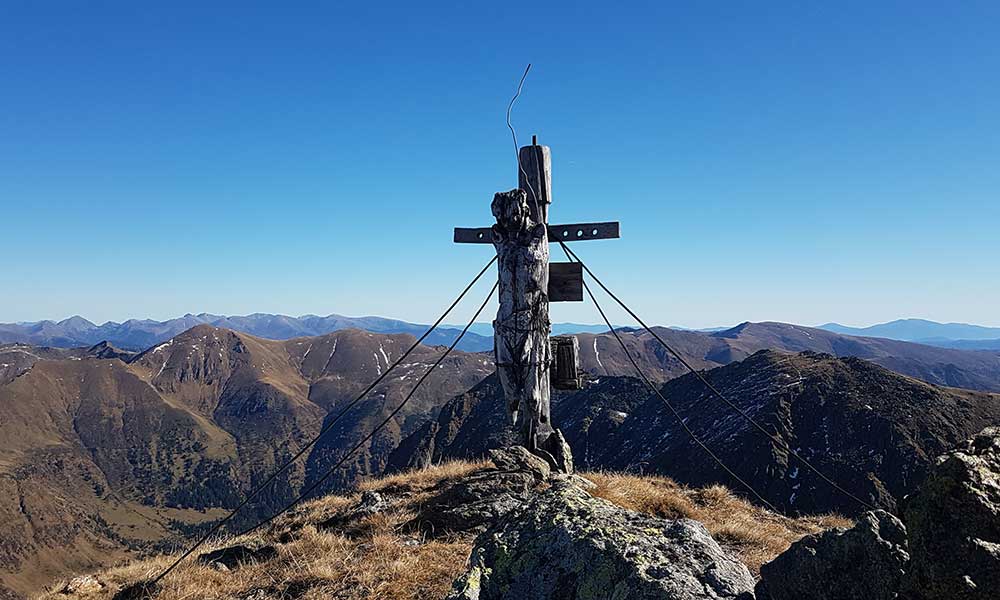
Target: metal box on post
565, 370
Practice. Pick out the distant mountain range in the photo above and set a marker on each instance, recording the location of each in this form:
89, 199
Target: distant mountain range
601, 354
946, 335
152, 445
139, 334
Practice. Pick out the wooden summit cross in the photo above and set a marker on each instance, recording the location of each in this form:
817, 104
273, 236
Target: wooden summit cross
528, 282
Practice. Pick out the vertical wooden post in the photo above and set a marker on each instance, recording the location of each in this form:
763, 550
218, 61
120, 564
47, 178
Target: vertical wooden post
521, 329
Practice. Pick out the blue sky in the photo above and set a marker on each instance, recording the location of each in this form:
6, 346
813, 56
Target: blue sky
802, 161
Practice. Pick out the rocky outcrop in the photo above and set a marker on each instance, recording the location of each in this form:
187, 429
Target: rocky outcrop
954, 525
472, 503
948, 550
866, 561
235, 556
84, 584
566, 544
106, 350
371, 503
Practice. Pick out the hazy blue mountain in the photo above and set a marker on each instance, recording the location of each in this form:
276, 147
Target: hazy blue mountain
483, 329
962, 344
139, 334
568, 328
919, 330
703, 329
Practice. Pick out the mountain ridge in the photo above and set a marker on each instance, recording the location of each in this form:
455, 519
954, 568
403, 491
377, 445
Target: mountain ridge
140, 334
872, 431
152, 448
918, 330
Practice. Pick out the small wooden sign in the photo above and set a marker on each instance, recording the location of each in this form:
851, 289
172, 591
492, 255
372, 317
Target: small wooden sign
565, 282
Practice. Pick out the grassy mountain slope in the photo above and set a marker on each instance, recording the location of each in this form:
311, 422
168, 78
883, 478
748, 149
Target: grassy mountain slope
103, 456
373, 558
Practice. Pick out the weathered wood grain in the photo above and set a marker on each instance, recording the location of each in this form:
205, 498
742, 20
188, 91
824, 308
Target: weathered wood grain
535, 177
521, 329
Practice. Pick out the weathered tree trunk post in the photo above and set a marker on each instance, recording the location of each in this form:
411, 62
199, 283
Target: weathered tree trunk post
521, 329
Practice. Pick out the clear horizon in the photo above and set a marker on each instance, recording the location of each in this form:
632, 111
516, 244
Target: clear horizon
802, 164
481, 322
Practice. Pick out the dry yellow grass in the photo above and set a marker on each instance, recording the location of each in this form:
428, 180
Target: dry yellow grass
424, 479
753, 534
377, 560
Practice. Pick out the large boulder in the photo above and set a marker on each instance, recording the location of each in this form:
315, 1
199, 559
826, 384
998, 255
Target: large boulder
954, 525
866, 561
566, 544
474, 502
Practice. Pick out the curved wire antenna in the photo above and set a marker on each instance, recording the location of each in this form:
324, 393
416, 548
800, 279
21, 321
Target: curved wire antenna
712, 388
218, 526
666, 402
371, 435
513, 134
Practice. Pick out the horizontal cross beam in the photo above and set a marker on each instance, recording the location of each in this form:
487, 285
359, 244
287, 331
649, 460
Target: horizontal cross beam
572, 232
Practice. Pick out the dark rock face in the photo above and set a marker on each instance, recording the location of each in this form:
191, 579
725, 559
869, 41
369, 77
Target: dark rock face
234, 556
371, 503
475, 421
474, 502
467, 426
567, 544
591, 418
104, 350
872, 431
954, 525
866, 561
557, 451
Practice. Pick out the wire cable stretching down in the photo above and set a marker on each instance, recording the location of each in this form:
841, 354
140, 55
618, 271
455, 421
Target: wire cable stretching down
371, 435
218, 526
712, 388
673, 410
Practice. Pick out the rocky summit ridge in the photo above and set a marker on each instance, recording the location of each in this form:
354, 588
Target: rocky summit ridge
411, 535
512, 528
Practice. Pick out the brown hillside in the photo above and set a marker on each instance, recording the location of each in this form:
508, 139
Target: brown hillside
373, 559
103, 457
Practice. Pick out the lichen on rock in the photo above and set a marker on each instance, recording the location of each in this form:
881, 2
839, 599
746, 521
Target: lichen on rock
954, 525
865, 561
566, 544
